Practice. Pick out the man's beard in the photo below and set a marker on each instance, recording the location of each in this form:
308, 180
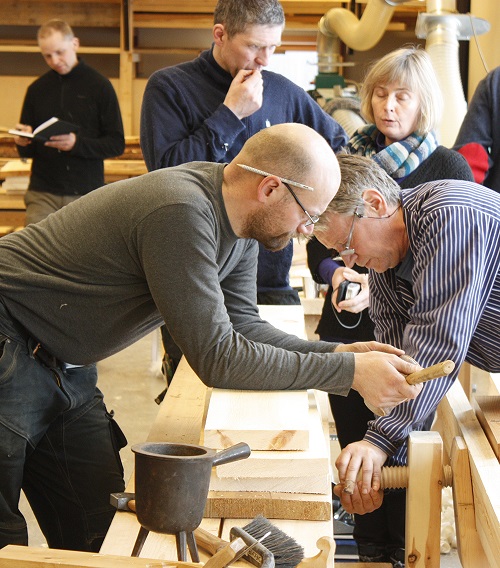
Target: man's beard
258, 227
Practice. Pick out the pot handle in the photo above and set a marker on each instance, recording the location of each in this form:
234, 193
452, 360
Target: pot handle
234, 453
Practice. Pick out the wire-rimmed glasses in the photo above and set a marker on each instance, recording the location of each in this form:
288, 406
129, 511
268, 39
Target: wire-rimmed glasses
313, 219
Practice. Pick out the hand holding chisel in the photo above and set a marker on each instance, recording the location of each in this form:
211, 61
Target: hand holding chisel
433, 372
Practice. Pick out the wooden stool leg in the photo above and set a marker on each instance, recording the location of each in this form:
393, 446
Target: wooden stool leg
423, 500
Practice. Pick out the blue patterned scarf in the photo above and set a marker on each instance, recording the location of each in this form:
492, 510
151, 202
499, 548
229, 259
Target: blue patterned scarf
398, 159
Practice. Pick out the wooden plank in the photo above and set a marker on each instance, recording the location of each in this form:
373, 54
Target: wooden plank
181, 414
114, 169
423, 500
317, 7
127, 70
469, 546
313, 461
289, 319
14, 48
488, 413
13, 556
317, 484
474, 380
86, 13
182, 20
238, 505
457, 418
207, 6
274, 505
270, 420
6, 229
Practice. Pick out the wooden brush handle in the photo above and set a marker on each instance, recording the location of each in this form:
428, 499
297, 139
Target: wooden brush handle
226, 554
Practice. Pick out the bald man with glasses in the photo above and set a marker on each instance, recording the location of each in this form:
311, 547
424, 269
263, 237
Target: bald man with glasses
180, 249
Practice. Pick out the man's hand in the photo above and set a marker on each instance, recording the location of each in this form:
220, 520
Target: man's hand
380, 377
367, 346
357, 502
62, 142
361, 300
363, 495
21, 140
245, 94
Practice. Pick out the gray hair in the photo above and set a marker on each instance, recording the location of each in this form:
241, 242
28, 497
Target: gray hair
55, 26
357, 174
411, 67
237, 15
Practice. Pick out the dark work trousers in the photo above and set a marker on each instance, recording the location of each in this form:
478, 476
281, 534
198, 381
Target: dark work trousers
58, 443
384, 528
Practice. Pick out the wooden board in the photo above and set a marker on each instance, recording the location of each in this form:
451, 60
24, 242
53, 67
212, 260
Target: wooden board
318, 484
423, 500
13, 556
470, 549
237, 505
457, 418
313, 461
270, 420
114, 169
488, 413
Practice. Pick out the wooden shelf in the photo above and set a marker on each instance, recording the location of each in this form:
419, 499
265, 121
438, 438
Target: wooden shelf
133, 19
14, 48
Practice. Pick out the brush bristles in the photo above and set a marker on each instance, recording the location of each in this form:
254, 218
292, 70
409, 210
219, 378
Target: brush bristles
286, 550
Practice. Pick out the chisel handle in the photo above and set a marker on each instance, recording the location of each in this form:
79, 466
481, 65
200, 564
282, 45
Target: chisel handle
433, 372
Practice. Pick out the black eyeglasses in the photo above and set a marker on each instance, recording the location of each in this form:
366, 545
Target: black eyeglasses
313, 219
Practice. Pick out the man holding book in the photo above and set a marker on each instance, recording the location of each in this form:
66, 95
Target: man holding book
70, 164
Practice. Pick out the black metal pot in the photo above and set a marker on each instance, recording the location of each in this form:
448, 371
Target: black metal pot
172, 481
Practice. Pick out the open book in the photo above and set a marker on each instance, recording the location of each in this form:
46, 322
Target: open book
51, 127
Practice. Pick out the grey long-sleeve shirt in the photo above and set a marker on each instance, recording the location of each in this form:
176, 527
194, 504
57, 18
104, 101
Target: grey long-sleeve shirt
104, 271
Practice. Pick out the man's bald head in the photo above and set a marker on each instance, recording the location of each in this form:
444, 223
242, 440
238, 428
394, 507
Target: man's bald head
292, 151
283, 178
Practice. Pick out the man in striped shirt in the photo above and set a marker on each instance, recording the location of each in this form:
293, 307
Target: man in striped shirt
434, 259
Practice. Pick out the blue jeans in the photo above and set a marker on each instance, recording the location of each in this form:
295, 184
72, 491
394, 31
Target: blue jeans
58, 444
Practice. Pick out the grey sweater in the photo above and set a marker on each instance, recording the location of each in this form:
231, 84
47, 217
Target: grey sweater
102, 272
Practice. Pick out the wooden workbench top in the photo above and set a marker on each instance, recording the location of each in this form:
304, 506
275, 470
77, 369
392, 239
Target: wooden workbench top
180, 419
113, 168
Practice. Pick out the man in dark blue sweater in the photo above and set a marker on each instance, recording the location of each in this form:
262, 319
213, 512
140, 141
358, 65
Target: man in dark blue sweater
207, 108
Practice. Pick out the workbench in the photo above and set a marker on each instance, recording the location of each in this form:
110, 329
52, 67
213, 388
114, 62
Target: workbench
114, 169
180, 419
12, 208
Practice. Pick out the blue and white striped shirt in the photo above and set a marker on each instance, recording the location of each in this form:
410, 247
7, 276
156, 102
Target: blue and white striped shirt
447, 305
